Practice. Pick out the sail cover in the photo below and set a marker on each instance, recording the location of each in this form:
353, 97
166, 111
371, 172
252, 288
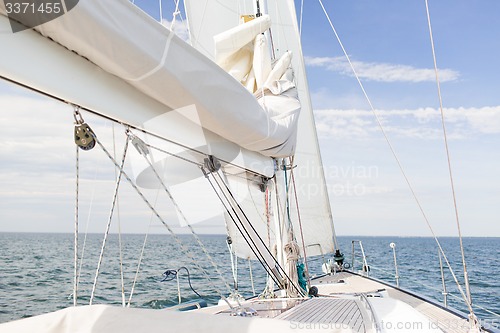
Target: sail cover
214, 17
124, 41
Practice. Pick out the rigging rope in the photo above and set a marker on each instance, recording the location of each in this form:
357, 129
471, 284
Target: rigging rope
278, 207
174, 14
300, 223
268, 216
139, 262
443, 123
277, 265
115, 196
161, 11
75, 282
119, 226
84, 245
301, 15
292, 252
251, 276
225, 203
418, 281
379, 123
183, 249
78, 121
287, 196
291, 249
234, 268
178, 209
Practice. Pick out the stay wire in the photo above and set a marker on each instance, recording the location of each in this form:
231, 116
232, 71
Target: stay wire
183, 249
230, 199
141, 255
108, 225
395, 156
181, 213
160, 11
287, 197
278, 266
226, 202
300, 223
75, 281
84, 245
129, 125
443, 123
120, 247
301, 15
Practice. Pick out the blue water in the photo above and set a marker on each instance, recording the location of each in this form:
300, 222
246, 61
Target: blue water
36, 270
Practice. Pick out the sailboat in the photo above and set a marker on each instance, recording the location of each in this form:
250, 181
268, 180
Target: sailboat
224, 123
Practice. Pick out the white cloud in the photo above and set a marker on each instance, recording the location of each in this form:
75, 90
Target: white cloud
424, 123
381, 72
179, 27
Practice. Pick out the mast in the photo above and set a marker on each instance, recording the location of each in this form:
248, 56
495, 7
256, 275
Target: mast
217, 17
257, 8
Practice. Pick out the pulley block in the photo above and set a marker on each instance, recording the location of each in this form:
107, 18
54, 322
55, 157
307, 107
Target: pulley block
84, 137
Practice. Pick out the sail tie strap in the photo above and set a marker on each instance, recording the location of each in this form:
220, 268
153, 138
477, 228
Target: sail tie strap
160, 64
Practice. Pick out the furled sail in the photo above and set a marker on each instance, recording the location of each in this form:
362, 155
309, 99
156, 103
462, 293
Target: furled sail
146, 72
61, 73
124, 41
214, 18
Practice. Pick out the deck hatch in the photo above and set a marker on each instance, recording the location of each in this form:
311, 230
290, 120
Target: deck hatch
328, 312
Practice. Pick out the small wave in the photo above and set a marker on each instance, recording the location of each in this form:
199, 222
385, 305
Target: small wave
159, 304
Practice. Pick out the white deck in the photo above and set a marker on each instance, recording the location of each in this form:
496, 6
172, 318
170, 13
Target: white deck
347, 303
344, 313
438, 317
353, 302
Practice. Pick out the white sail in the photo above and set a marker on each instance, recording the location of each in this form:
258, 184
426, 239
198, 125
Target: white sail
313, 201
252, 200
124, 41
216, 17
111, 92
83, 74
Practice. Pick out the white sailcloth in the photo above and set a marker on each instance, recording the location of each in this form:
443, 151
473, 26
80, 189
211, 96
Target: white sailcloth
56, 71
124, 41
314, 204
216, 17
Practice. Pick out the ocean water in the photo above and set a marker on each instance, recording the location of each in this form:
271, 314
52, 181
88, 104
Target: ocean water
36, 270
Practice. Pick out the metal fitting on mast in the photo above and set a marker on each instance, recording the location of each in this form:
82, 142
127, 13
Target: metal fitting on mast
83, 134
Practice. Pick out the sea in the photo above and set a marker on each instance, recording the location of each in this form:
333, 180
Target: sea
37, 270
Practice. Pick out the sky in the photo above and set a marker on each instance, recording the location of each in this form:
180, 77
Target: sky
388, 43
